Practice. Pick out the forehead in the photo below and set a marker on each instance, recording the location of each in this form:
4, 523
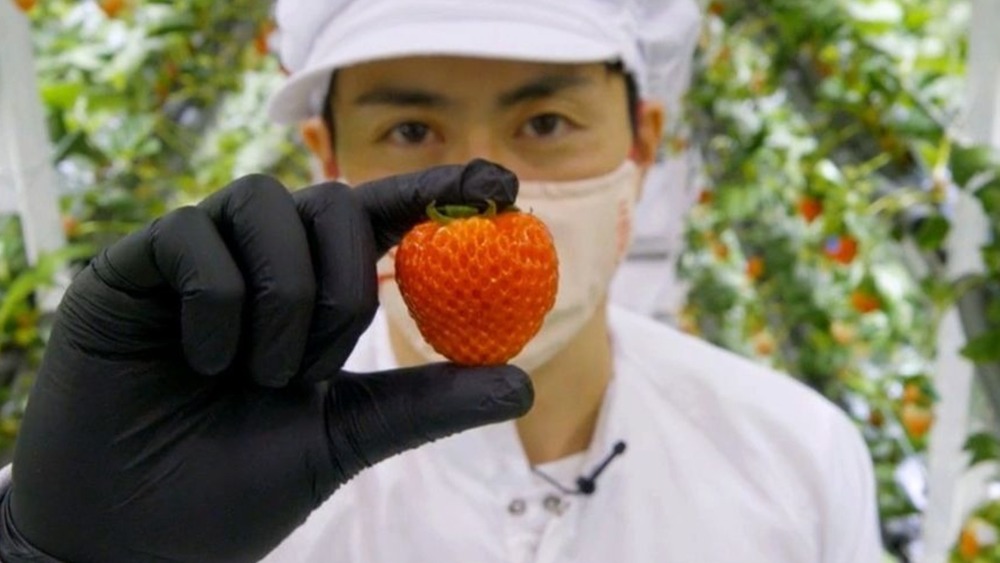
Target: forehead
464, 77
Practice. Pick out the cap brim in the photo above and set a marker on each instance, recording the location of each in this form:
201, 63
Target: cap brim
296, 100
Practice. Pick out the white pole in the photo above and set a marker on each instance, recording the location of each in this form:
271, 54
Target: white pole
983, 115
27, 178
954, 490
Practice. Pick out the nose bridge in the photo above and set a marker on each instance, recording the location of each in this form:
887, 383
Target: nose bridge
477, 142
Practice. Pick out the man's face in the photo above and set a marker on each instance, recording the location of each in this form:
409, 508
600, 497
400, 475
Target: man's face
542, 121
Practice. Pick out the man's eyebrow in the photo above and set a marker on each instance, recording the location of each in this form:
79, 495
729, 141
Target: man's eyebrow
393, 96
542, 87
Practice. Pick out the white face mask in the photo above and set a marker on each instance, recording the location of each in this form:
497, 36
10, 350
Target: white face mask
591, 223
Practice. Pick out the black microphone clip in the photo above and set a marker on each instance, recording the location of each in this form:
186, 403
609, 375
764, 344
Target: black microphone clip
587, 484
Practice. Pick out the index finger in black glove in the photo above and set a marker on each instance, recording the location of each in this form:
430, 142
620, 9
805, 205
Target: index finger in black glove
397, 203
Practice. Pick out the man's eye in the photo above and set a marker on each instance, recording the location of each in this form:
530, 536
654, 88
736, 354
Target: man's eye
409, 133
545, 125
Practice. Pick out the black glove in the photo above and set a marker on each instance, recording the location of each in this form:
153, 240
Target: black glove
191, 405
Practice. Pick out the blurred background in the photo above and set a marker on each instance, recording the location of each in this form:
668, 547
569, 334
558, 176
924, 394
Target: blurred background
835, 215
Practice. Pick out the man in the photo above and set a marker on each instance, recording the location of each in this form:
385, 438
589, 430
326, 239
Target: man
723, 460
723, 457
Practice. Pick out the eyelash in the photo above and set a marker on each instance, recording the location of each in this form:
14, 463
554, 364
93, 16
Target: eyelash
398, 127
562, 121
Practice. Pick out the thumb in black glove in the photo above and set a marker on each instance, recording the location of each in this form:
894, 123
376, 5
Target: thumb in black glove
191, 405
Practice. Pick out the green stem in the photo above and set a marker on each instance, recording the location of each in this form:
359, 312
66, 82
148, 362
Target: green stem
446, 214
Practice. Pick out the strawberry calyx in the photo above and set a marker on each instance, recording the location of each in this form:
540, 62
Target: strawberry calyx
445, 214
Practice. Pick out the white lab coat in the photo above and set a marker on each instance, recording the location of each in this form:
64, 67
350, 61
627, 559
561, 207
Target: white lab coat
726, 462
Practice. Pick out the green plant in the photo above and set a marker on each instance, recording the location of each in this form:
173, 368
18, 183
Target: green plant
826, 127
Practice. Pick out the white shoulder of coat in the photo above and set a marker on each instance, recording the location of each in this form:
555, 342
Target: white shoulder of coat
717, 388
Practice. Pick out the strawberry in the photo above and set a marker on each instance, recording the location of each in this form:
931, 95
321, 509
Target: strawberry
841, 249
720, 250
111, 8
912, 394
864, 302
916, 420
71, 226
968, 545
478, 285
764, 343
261, 40
810, 208
978, 535
755, 268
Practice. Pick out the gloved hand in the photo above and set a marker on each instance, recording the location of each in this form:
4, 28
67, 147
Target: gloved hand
191, 405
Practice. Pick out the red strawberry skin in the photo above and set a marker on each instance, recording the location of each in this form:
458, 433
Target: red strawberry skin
478, 287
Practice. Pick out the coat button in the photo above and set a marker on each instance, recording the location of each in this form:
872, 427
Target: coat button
517, 507
555, 505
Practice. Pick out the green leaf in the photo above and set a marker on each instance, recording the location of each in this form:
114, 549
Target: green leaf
932, 232
61, 95
938, 291
916, 17
68, 144
993, 312
173, 23
989, 195
966, 162
982, 447
38, 277
991, 257
984, 348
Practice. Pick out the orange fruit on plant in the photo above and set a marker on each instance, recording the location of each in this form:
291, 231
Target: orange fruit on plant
764, 343
260, 41
842, 249
478, 285
720, 250
112, 8
26, 5
968, 545
810, 208
978, 538
755, 267
916, 420
70, 226
864, 302
912, 394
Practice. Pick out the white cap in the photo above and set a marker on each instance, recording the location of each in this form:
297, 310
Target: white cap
316, 37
